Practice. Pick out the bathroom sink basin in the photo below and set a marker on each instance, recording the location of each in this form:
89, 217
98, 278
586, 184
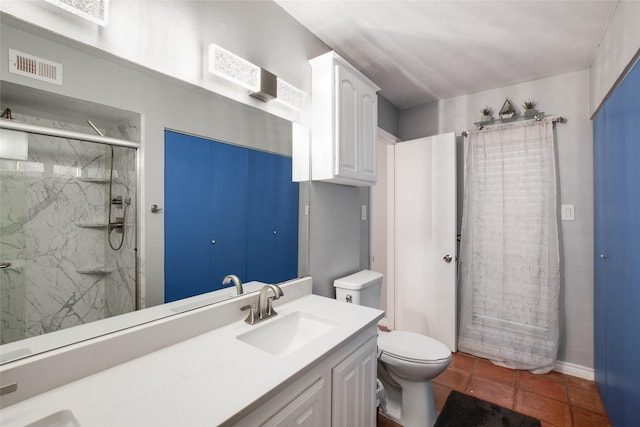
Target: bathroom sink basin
288, 333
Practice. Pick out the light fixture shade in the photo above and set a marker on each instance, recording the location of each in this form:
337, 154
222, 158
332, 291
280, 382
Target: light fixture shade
13, 145
95, 11
233, 68
290, 95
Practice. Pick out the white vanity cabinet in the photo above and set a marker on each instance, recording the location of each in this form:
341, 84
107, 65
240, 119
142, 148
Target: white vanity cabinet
344, 123
354, 387
308, 409
340, 391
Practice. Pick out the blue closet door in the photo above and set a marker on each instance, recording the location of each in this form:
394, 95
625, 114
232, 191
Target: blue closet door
205, 214
618, 238
272, 219
187, 192
261, 217
286, 221
229, 165
600, 294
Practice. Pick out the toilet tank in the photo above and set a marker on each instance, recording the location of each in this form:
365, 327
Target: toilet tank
362, 288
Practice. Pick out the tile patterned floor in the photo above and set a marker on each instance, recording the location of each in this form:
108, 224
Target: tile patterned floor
557, 400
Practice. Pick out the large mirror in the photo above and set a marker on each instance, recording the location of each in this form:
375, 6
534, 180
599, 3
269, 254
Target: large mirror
110, 222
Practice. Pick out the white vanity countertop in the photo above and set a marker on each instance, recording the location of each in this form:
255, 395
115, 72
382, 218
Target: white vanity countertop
204, 380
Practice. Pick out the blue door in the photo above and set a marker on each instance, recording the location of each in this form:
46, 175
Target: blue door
228, 210
617, 239
187, 192
229, 165
205, 214
272, 227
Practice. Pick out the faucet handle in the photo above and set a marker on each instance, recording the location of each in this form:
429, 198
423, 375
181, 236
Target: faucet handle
251, 318
270, 310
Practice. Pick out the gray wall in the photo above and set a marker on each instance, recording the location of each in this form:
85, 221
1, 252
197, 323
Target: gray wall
339, 238
388, 116
566, 95
419, 121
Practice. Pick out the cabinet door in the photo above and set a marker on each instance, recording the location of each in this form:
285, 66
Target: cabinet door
305, 410
346, 155
368, 128
354, 387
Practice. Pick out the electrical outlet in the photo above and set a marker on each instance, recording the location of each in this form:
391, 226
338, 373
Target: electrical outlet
568, 213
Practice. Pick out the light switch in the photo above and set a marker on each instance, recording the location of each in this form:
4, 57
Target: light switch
568, 213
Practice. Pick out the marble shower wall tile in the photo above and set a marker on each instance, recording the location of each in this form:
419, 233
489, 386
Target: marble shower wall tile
50, 219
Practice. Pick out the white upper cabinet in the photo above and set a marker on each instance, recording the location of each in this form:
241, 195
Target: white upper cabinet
345, 122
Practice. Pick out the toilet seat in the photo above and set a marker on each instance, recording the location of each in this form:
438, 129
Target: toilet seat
412, 347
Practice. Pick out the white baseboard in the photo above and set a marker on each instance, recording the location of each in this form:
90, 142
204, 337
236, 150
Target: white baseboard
575, 370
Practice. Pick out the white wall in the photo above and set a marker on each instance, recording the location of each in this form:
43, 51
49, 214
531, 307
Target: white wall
619, 45
566, 95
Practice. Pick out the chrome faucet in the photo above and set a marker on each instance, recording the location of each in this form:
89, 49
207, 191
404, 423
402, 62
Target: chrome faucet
264, 309
265, 304
233, 278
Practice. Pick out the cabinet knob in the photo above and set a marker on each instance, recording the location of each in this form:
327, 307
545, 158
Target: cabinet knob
603, 257
275, 231
447, 258
213, 242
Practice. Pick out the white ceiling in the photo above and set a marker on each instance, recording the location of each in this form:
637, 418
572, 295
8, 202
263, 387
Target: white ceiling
425, 50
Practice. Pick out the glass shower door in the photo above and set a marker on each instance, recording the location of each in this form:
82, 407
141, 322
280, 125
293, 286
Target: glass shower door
12, 239
67, 235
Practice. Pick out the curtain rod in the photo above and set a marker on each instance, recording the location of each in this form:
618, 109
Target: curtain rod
61, 133
537, 118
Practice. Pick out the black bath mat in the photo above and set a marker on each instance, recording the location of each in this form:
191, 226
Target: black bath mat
462, 410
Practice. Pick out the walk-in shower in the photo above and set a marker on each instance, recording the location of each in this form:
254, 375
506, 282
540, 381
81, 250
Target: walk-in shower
65, 204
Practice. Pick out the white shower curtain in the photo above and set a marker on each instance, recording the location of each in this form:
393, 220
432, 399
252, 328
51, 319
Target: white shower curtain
509, 253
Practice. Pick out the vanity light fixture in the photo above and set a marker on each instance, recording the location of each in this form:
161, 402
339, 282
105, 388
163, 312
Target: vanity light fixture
95, 11
261, 83
290, 95
231, 67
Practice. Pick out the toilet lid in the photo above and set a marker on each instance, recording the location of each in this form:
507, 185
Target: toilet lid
412, 347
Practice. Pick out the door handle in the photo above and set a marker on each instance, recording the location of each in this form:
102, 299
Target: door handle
447, 258
5, 264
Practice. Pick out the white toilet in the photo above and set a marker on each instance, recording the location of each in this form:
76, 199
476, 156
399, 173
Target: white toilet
407, 362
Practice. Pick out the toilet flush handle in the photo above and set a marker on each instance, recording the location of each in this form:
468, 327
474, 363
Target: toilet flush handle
349, 298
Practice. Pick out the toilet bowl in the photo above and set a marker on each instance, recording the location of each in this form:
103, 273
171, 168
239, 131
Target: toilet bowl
407, 361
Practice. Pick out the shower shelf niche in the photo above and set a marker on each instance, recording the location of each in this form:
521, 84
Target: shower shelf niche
97, 270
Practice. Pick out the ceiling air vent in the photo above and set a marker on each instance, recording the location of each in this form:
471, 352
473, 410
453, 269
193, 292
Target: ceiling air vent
34, 67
